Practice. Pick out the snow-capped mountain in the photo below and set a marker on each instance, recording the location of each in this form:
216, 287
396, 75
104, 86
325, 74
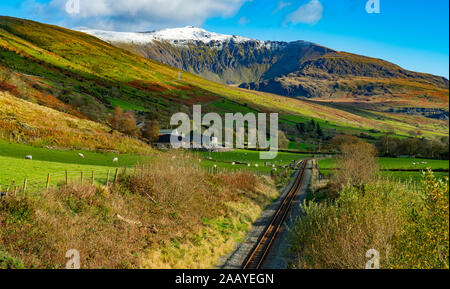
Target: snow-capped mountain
174, 35
219, 57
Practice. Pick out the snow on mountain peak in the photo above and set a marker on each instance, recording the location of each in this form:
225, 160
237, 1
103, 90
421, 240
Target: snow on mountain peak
174, 35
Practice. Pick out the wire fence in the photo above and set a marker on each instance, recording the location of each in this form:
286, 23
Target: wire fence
102, 177
110, 176
52, 180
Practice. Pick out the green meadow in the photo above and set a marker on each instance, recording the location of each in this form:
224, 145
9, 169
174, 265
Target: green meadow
243, 158
398, 168
14, 166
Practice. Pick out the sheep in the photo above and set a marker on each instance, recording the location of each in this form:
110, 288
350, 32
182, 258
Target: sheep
115, 160
234, 163
256, 165
29, 157
81, 156
249, 165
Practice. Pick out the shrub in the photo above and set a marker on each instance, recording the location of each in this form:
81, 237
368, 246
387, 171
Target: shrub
409, 227
357, 164
151, 130
8, 262
283, 141
424, 243
124, 122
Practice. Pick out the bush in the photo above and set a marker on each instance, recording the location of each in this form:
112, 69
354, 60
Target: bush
8, 262
425, 241
151, 131
124, 122
409, 227
357, 164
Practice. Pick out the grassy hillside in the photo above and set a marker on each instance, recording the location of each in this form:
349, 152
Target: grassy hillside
22, 121
86, 77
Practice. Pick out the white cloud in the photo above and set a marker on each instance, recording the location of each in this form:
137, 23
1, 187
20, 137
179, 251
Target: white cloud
138, 14
310, 13
244, 20
281, 6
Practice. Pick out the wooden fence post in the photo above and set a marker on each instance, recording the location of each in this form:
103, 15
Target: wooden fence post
48, 182
116, 175
67, 177
82, 178
92, 178
24, 185
13, 184
107, 177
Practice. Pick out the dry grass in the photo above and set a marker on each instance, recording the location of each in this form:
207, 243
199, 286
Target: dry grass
171, 215
22, 121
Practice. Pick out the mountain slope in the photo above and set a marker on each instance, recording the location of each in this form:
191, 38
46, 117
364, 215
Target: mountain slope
22, 121
82, 75
224, 58
294, 69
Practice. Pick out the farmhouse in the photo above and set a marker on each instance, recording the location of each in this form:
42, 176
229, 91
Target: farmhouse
165, 137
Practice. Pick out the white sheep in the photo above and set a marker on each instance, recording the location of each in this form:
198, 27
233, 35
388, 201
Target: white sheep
29, 157
233, 164
115, 160
81, 156
256, 165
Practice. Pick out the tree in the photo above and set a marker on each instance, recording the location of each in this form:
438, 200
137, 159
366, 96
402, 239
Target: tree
116, 120
357, 164
313, 125
151, 130
341, 139
319, 131
301, 128
283, 141
129, 126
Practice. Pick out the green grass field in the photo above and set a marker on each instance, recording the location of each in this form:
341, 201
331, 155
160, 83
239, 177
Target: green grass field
17, 170
225, 160
14, 166
397, 164
19, 151
405, 164
414, 176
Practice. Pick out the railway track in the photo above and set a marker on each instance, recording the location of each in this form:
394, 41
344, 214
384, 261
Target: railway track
258, 254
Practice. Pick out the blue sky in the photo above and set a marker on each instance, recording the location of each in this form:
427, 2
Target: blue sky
411, 33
